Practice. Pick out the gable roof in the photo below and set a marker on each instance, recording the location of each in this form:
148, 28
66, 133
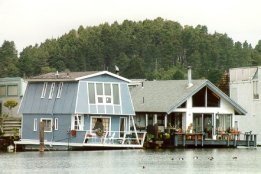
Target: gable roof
73, 76
165, 96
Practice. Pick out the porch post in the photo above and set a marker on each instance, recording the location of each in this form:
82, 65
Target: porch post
146, 120
165, 121
135, 130
155, 118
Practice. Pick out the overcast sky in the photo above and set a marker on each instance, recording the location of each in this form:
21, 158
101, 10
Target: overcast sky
27, 22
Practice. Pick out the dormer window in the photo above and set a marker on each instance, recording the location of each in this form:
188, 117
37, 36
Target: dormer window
44, 89
51, 91
59, 93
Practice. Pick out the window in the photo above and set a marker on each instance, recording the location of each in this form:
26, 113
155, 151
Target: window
56, 124
255, 90
12, 90
47, 124
3, 90
223, 122
35, 124
77, 122
116, 94
51, 91
91, 91
107, 90
99, 89
103, 93
205, 98
59, 93
44, 89
105, 122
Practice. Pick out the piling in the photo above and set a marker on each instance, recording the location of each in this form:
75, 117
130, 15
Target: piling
41, 137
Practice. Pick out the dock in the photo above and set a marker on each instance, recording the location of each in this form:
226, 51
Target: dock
227, 140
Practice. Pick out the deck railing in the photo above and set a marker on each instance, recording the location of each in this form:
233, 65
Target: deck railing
114, 138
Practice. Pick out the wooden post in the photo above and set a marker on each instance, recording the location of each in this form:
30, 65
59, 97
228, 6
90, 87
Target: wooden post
176, 140
255, 139
235, 141
41, 137
184, 140
247, 139
196, 140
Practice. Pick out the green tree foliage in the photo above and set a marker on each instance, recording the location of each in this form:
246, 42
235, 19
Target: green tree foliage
151, 49
8, 60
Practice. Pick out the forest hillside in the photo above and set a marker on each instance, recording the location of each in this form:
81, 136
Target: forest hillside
151, 49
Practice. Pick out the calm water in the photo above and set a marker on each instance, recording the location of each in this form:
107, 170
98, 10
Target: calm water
134, 161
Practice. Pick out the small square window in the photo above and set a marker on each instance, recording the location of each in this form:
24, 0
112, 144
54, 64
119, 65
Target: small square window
100, 99
47, 124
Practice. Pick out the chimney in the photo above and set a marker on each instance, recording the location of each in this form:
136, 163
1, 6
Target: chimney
189, 77
57, 75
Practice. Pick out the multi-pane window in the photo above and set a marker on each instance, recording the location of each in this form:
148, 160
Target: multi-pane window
99, 90
44, 89
105, 122
59, 93
12, 90
77, 122
223, 122
51, 91
103, 93
116, 94
47, 124
107, 91
3, 90
91, 92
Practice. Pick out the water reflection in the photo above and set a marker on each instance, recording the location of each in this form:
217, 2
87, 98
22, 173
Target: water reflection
134, 161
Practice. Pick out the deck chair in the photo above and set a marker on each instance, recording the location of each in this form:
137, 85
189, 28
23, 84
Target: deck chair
111, 138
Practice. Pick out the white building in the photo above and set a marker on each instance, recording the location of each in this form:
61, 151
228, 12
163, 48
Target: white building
245, 89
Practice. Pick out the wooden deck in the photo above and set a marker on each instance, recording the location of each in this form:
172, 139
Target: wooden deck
228, 140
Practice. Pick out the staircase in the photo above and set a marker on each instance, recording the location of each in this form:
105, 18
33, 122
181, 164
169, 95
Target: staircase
11, 126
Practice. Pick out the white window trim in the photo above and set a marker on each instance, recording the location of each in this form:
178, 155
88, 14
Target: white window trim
81, 125
44, 89
95, 117
51, 90
51, 123
56, 124
60, 88
35, 124
104, 102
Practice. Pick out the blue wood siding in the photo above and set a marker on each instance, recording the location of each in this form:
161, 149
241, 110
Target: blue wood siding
60, 135
33, 103
127, 107
83, 106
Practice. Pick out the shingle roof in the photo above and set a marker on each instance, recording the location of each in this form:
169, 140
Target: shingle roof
160, 96
61, 76
73, 76
164, 96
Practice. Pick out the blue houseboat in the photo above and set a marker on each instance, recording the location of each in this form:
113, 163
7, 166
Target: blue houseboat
79, 110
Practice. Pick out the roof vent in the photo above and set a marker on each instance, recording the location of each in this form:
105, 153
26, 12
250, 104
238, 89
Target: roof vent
57, 74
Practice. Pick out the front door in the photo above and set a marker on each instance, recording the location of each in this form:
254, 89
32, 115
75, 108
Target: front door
203, 123
207, 125
123, 126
